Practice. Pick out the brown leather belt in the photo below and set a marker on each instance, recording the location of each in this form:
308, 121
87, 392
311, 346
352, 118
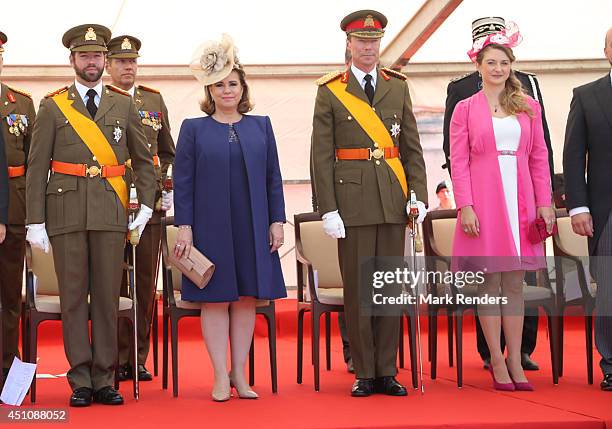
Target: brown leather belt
16, 171
156, 161
367, 153
82, 170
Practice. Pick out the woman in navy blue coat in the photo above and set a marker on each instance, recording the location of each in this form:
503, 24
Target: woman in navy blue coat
229, 205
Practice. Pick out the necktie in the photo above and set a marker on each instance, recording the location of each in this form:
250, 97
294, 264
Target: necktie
369, 89
91, 105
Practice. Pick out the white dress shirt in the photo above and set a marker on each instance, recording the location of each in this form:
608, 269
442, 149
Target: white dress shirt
82, 90
360, 75
584, 209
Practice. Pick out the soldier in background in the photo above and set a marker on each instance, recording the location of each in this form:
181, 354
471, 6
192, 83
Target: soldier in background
122, 66
17, 120
84, 134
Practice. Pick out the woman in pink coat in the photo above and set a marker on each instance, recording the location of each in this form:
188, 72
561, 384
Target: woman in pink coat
501, 182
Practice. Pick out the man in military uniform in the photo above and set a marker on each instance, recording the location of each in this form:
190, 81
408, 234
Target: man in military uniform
17, 119
122, 66
366, 158
84, 135
460, 89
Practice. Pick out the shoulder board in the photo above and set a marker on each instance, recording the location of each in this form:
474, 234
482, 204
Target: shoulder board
20, 91
329, 77
524, 72
57, 91
148, 89
119, 90
458, 78
394, 73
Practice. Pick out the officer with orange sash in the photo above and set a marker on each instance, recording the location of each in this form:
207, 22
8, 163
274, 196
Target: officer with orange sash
85, 134
16, 122
366, 158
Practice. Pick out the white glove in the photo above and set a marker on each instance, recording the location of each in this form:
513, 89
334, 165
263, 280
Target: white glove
37, 236
422, 211
143, 216
333, 225
167, 198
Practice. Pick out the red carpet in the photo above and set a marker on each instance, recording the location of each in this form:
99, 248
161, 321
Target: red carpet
571, 404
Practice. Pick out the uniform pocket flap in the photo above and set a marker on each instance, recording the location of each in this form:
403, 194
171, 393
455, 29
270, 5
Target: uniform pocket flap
349, 176
114, 121
60, 184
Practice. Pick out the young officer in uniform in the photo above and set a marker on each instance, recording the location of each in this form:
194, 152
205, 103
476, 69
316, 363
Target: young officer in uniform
17, 119
84, 135
122, 66
366, 158
460, 89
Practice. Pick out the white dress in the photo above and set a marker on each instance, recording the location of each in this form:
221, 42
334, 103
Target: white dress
507, 137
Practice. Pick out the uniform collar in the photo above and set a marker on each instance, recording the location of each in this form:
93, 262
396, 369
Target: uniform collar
360, 75
82, 90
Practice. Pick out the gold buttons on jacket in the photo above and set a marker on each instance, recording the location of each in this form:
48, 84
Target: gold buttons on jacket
350, 118
377, 162
94, 158
341, 181
375, 144
374, 108
59, 190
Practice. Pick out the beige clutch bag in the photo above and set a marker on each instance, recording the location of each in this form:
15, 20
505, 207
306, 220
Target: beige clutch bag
196, 267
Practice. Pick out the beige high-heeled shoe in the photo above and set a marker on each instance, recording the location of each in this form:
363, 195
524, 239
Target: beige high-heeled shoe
222, 394
244, 394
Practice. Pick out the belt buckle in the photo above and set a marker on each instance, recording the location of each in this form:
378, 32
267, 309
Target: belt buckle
376, 153
93, 171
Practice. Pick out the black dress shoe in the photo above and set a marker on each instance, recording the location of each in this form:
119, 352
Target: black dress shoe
363, 387
389, 386
606, 384
108, 396
125, 372
486, 363
528, 364
143, 373
81, 397
349, 366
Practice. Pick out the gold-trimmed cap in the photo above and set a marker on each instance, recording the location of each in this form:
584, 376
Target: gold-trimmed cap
87, 38
3, 40
488, 25
123, 47
368, 24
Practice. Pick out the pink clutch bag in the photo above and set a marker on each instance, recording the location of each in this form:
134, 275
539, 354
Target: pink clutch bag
538, 233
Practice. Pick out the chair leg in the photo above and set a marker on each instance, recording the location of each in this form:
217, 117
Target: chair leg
449, 321
328, 340
33, 352
459, 344
300, 345
165, 320
561, 346
252, 362
433, 338
154, 336
588, 320
553, 325
429, 342
272, 351
174, 339
400, 348
315, 346
413, 352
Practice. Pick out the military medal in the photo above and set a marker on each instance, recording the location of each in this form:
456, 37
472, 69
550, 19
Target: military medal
117, 134
395, 130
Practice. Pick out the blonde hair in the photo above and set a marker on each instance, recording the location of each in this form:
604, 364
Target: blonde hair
244, 106
513, 98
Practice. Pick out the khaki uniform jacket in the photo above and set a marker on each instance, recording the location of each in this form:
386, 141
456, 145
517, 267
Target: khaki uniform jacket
160, 141
365, 193
70, 203
17, 147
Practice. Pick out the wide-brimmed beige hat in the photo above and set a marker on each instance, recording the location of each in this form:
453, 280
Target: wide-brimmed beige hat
214, 60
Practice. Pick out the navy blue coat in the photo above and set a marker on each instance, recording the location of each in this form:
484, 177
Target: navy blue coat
202, 200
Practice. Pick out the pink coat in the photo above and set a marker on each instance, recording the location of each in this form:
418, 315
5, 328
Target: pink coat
477, 182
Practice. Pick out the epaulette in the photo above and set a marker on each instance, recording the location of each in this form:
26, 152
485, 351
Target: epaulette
148, 89
119, 90
394, 73
458, 78
20, 91
57, 91
525, 72
329, 77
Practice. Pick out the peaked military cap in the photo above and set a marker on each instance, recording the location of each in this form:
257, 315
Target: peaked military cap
368, 24
123, 47
484, 26
87, 38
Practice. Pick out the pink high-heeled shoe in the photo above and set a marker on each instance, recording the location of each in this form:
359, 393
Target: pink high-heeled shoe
505, 387
523, 386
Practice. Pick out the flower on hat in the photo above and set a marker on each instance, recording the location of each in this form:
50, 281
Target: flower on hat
213, 58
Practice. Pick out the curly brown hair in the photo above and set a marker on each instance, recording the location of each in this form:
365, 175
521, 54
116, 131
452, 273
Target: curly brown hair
513, 98
207, 105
